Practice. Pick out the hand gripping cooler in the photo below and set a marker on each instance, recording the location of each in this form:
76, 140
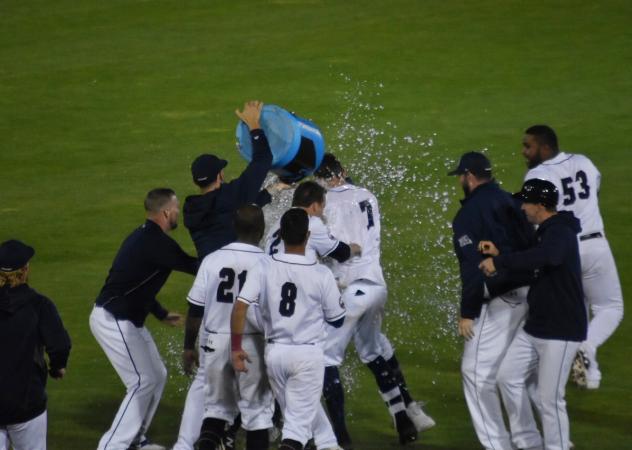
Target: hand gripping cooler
297, 144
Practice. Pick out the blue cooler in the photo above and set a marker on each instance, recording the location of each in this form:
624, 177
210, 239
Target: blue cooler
297, 144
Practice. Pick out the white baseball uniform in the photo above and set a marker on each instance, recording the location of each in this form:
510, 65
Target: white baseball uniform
578, 182
26, 435
217, 284
296, 296
321, 243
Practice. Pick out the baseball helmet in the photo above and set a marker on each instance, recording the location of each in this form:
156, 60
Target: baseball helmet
540, 191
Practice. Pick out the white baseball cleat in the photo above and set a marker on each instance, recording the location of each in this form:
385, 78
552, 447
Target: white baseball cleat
146, 445
419, 418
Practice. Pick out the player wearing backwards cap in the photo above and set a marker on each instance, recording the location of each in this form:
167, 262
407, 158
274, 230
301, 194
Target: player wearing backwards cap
209, 219
556, 323
296, 297
352, 213
29, 324
491, 309
217, 285
578, 181
139, 270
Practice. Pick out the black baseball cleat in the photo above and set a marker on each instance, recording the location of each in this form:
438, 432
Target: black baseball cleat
405, 428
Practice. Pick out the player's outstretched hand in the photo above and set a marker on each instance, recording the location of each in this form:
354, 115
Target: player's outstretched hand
58, 374
173, 319
488, 248
488, 267
239, 358
190, 361
466, 328
356, 250
251, 114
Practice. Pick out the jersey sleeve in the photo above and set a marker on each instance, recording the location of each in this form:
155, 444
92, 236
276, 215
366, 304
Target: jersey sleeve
333, 307
466, 240
320, 240
53, 335
198, 292
253, 286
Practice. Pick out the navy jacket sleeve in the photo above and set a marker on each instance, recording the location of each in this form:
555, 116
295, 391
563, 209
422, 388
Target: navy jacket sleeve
472, 279
550, 251
245, 189
54, 336
167, 254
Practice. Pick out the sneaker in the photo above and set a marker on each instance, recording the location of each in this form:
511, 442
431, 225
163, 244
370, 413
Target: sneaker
579, 371
420, 419
405, 428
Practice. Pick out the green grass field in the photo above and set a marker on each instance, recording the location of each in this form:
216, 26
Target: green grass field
102, 101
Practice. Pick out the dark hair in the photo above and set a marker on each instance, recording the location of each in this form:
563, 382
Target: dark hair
545, 135
307, 193
294, 226
157, 198
329, 168
249, 223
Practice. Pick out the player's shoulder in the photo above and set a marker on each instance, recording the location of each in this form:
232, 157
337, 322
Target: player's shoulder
316, 223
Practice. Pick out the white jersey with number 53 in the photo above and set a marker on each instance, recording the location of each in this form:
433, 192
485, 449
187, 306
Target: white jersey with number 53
577, 180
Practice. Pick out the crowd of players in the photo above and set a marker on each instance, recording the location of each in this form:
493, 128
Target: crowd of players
267, 328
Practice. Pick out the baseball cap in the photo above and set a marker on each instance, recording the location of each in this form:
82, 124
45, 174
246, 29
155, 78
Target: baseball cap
14, 255
474, 162
540, 191
205, 169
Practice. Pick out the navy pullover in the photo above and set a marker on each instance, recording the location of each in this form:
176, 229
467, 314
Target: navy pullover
556, 298
140, 269
209, 217
489, 214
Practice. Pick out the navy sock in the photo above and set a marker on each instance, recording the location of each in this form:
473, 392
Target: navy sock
335, 401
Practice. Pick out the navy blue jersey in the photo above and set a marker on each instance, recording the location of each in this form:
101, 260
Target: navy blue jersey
140, 269
209, 217
488, 214
556, 298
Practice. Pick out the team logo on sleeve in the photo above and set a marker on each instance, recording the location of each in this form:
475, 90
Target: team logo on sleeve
464, 240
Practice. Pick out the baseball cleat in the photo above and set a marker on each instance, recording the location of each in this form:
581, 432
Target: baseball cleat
579, 371
147, 445
419, 418
405, 428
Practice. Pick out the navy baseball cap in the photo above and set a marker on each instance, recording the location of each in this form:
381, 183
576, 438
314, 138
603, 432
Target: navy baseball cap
205, 169
14, 255
540, 191
474, 162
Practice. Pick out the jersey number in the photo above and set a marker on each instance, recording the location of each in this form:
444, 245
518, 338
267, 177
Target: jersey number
225, 288
276, 240
288, 299
366, 206
569, 190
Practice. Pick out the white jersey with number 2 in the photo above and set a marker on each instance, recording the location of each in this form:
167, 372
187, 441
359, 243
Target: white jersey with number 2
320, 244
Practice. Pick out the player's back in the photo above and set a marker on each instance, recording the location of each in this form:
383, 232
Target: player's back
319, 244
297, 296
221, 276
353, 215
578, 181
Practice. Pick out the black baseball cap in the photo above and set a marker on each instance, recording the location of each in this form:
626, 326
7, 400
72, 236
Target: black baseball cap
474, 162
205, 169
540, 191
14, 255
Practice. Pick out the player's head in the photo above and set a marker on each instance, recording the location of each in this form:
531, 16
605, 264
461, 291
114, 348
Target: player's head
539, 144
162, 207
330, 170
207, 170
539, 199
473, 170
310, 196
295, 228
249, 224
14, 263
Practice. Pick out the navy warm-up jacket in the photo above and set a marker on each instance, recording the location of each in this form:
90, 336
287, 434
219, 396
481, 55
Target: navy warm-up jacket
489, 214
556, 298
209, 217
29, 325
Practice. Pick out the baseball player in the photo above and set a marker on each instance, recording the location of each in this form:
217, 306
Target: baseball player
217, 284
491, 309
578, 181
140, 268
29, 324
556, 323
353, 213
296, 298
209, 218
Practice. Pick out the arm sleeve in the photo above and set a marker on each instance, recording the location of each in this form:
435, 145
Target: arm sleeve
251, 291
166, 253
472, 279
158, 310
550, 251
320, 240
54, 336
198, 293
333, 307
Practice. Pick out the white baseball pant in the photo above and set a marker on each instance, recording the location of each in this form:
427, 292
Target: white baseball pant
494, 330
28, 435
192, 415
551, 360
133, 354
602, 291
